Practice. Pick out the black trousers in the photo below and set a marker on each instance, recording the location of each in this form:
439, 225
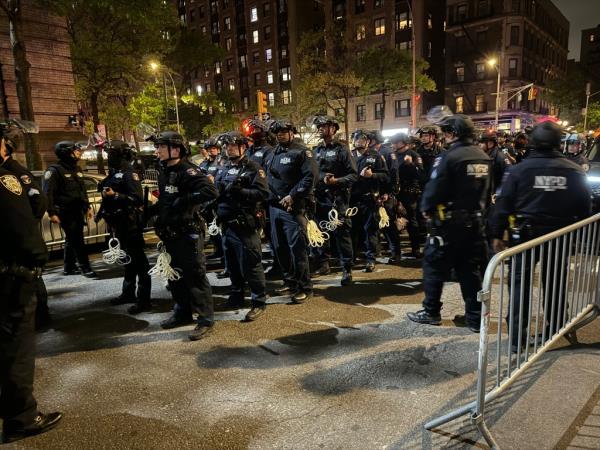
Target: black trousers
410, 203
132, 243
18, 407
391, 231
74, 251
341, 236
243, 255
192, 292
365, 226
464, 249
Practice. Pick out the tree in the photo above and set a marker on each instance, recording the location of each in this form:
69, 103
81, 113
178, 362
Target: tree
12, 9
593, 116
386, 71
147, 107
568, 94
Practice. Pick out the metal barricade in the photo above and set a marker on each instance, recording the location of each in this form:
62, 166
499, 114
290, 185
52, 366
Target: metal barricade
546, 288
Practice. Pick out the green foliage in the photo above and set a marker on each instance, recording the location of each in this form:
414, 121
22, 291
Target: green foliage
222, 122
148, 106
568, 94
593, 116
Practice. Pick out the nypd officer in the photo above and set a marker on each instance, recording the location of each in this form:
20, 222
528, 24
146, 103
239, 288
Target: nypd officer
428, 150
543, 193
68, 205
291, 175
122, 201
210, 166
183, 191
337, 173
22, 257
365, 196
242, 186
575, 150
453, 202
260, 149
410, 175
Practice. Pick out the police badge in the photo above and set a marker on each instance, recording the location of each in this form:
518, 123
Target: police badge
11, 183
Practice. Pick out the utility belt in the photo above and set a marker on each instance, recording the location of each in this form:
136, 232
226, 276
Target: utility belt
172, 231
522, 229
245, 221
23, 272
455, 218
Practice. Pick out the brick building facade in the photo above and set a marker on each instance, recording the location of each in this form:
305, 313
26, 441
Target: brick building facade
52, 83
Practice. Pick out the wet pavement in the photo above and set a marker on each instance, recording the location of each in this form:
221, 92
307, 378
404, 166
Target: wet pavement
345, 370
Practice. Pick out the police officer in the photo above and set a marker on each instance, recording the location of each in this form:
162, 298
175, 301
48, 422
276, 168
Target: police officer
529, 194
453, 201
337, 174
291, 175
38, 203
242, 186
504, 145
22, 257
575, 150
210, 167
500, 162
520, 147
121, 208
365, 195
410, 175
260, 149
428, 150
183, 190
68, 205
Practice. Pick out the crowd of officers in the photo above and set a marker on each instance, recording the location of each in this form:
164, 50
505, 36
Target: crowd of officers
456, 194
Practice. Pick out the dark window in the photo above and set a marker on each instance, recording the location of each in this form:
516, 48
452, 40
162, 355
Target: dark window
483, 8
228, 64
257, 78
378, 110
266, 9
201, 12
512, 67
192, 15
361, 113
461, 12
267, 32
515, 6
378, 3
480, 71
481, 37
460, 74
402, 108
514, 35
255, 57
359, 6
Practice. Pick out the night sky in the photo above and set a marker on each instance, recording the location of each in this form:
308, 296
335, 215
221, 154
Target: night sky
581, 14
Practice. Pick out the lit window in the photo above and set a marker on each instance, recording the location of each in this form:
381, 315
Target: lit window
402, 21
199, 89
460, 74
480, 103
284, 52
404, 45
361, 32
254, 14
286, 97
379, 27
271, 98
402, 108
228, 23
207, 87
269, 77
592, 38
217, 67
268, 55
232, 84
255, 37
243, 61
378, 111
228, 44
460, 104
285, 74
361, 113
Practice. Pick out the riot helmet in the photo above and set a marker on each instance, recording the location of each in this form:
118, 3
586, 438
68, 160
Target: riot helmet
459, 125
64, 151
546, 136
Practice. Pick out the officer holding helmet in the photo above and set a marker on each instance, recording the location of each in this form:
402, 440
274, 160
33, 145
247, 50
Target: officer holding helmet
291, 175
453, 203
365, 196
68, 205
260, 149
410, 175
183, 191
121, 209
575, 150
529, 194
242, 186
337, 174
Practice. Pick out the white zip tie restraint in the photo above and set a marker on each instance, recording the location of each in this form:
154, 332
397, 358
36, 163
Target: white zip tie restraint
384, 219
316, 237
334, 221
163, 268
114, 254
213, 228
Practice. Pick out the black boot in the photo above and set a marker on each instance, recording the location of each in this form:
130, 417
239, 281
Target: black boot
140, 307
346, 278
424, 317
41, 424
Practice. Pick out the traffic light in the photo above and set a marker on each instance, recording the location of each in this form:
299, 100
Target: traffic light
261, 101
533, 91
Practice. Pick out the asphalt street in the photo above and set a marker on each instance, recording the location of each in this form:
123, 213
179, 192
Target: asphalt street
346, 370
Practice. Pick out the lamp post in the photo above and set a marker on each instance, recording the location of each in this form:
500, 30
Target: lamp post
154, 66
493, 62
587, 103
413, 109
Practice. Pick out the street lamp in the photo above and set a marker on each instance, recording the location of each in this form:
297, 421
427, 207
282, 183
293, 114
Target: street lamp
493, 62
155, 67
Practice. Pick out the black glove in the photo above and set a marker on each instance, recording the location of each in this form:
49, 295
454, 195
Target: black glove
233, 189
179, 202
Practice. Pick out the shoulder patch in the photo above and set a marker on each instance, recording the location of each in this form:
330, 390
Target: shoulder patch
11, 183
25, 179
192, 172
135, 176
261, 173
309, 153
47, 175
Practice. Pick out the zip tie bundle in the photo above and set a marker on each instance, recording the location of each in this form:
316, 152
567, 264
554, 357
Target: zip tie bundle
316, 237
114, 254
213, 228
384, 219
163, 268
334, 221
